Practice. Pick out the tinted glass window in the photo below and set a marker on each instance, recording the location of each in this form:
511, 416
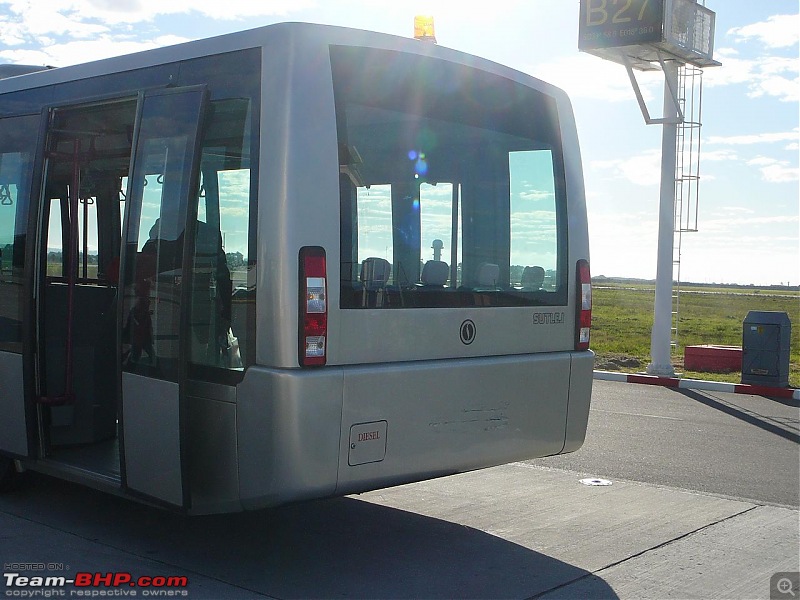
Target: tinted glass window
534, 221
17, 146
88, 261
452, 186
223, 282
161, 184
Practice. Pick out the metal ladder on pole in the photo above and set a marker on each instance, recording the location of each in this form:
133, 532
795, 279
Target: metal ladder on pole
687, 176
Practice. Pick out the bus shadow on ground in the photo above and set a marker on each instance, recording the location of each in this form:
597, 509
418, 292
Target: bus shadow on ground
338, 548
758, 420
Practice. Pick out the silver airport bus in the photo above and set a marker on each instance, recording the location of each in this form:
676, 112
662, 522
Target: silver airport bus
294, 262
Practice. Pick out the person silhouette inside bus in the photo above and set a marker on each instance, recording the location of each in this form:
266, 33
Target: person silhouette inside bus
210, 311
138, 328
211, 314
532, 278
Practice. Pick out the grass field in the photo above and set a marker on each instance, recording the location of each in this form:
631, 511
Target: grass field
622, 318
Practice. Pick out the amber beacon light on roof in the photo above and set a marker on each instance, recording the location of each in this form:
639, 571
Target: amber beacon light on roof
423, 28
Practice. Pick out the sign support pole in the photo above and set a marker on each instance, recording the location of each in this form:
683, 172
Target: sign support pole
660, 338
637, 35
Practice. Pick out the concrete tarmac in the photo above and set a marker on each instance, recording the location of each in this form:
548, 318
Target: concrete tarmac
524, 530
515, 531
734, 445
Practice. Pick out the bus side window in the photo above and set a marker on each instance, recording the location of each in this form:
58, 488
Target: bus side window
17, 139
58, 224
88, 259
223, 290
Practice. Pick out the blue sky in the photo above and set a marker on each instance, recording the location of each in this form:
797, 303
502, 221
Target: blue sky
748, 224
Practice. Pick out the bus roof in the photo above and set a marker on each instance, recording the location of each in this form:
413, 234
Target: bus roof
278, 34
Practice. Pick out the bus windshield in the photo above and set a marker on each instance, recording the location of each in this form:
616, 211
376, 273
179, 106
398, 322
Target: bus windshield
451, 183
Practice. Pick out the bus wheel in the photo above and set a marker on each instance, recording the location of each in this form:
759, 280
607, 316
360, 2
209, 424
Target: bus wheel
8, 473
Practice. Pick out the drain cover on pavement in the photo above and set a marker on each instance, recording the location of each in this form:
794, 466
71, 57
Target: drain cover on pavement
595, 481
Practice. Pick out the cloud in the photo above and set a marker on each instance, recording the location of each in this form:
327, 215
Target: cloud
728, 222
586, 76
34, 22
727, 210
762, 259
536, 195
773, 76
64, 32
718, 155
778, 31
103, 46
775, 171
113, 12
744, 243
760, 161
624, 243
643, 169
775, 79
233, 212
772, 170
756, 138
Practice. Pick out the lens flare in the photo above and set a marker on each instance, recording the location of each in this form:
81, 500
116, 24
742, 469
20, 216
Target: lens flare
420, 164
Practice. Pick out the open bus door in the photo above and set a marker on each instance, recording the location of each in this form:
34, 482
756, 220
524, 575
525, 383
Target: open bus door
155, 256
112, 355
87, 153
18, 141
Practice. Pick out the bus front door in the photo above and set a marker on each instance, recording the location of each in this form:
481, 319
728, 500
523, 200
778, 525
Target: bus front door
155, 256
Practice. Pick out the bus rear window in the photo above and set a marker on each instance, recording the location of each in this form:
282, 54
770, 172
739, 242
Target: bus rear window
451, 185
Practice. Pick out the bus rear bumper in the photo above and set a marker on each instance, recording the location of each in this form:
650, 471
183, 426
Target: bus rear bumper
340, 430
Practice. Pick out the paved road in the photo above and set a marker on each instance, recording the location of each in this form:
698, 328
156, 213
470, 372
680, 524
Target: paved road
735, 445
526, 530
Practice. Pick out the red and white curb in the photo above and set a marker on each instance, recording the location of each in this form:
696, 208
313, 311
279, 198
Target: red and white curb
699, 384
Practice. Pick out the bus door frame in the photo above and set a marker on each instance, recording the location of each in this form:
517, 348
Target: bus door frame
153, 417
20, 434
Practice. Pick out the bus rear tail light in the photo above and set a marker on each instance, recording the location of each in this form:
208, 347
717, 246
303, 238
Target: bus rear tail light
583, 310
313, 315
